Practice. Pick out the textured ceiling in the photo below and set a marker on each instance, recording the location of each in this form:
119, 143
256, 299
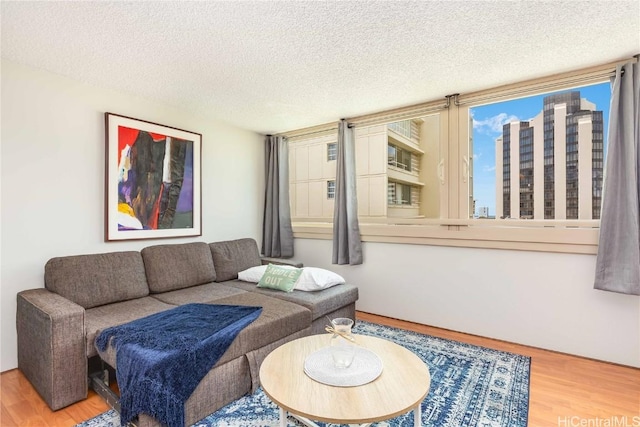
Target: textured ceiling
277, 66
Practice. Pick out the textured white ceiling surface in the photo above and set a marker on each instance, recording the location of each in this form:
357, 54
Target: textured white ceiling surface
274, 66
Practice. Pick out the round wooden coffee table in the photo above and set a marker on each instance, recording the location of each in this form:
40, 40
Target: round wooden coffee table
401, 387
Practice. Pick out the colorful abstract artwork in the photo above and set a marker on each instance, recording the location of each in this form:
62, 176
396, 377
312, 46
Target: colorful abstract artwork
152, 180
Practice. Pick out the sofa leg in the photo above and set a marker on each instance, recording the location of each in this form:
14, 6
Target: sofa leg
100, 386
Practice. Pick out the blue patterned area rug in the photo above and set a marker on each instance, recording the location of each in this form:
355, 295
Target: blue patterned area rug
471, 386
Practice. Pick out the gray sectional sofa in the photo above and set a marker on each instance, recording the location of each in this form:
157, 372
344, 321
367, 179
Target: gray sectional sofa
57, 325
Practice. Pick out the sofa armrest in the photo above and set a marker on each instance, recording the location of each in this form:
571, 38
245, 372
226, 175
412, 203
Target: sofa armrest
52, 346
280, 261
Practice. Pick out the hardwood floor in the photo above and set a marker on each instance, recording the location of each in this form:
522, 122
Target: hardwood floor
565, 391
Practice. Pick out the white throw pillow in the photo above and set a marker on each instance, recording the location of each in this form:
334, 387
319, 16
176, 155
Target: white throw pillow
253, 274
311, 279
315, 279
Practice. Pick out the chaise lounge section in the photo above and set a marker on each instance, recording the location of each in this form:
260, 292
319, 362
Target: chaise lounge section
57, 325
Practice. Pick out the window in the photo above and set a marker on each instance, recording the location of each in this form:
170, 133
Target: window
552, 155
399, 194
332, 151
516, 167
399, 158
331, 189
392, 155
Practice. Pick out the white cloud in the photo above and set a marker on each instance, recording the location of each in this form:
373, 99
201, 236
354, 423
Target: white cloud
494, 124
489, 168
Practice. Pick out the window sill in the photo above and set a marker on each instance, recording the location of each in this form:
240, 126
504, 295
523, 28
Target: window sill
548, 239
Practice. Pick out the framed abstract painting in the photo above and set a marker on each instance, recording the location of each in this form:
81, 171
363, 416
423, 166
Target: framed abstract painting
153, 180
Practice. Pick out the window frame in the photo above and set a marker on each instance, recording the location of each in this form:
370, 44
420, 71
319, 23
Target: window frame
454, 227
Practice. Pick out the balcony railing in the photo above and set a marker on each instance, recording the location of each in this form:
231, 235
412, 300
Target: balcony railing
414, 169
403, 128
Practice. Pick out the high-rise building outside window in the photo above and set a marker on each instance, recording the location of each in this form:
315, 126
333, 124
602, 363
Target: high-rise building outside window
551, 150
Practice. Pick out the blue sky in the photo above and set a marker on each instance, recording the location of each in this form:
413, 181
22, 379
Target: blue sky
487, 126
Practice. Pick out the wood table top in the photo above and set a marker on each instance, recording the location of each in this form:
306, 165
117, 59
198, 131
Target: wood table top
403, 384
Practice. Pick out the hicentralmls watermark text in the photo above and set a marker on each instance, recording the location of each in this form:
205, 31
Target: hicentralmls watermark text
576, 421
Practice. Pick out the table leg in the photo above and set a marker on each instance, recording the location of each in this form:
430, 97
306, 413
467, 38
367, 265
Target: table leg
283, 418
417, 416
305, 421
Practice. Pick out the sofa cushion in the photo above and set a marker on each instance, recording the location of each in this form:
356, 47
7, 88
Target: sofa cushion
232, 256
320, 303
99, 318
207, 293
97, 279
278, 319
177, 266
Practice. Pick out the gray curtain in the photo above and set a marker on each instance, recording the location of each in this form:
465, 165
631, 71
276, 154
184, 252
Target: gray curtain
618, 260
347, 248
277, 234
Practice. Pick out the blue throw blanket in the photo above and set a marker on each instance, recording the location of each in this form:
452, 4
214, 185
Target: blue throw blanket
162, 358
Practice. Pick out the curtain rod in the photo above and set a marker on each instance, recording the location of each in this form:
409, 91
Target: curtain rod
553, 82
313, 130
402, 113
634, 60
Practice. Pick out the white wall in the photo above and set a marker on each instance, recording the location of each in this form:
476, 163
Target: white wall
539, 299
53, 178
